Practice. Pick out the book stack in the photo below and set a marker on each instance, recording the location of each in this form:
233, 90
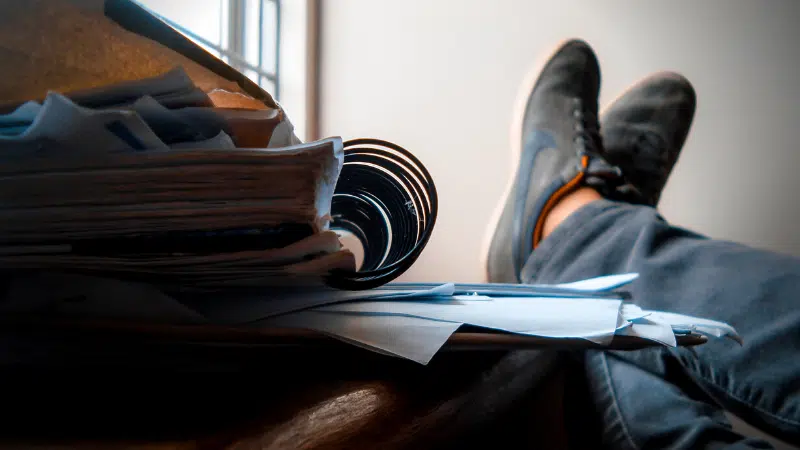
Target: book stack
172, 191
191, 177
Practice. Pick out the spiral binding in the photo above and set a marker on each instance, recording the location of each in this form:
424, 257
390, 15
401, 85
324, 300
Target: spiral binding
387, 199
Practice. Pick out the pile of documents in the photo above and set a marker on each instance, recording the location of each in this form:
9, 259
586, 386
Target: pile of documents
128, 151
154, 182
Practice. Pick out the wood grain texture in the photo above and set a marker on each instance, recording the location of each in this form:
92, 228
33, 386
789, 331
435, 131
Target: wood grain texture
458, 400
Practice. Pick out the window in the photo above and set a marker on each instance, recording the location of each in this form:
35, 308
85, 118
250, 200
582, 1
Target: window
273, 42
244, 33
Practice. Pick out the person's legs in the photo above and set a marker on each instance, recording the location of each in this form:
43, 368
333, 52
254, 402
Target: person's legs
656, 408
679, 271
558, 148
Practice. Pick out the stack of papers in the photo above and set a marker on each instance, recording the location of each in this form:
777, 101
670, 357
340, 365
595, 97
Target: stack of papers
153, 182
411, 321
130, 152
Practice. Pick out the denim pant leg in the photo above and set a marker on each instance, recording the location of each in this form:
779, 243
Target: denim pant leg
758, 292
656, 408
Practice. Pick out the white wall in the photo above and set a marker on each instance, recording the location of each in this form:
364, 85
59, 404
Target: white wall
440, 77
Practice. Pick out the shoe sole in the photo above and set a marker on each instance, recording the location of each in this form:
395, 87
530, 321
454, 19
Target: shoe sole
520, 105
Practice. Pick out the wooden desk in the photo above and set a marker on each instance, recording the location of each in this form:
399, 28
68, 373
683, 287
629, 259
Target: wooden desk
460, 399
100, 387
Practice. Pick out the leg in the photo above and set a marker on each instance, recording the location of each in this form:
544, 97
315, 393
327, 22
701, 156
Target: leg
665, 414
753, 290
680, 271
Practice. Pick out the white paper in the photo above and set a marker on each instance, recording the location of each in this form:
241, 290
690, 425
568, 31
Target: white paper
81, 296
406, 337
704, 326
605, 283
546, 317
651, 331
249, 307
62, 128
580, 289
19, 120
396, 320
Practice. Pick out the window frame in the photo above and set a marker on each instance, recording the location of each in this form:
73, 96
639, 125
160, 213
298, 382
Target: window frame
295, 74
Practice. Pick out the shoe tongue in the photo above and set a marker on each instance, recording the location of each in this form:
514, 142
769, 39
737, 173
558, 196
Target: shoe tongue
600, 168
602, 176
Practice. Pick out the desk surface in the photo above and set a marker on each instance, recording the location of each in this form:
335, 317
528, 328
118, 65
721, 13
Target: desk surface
460, 398
109, 386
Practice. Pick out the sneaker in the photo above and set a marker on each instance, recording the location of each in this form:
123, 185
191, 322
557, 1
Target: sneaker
644, 131
559, 148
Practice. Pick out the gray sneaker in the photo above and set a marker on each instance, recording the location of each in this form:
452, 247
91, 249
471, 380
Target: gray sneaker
559, 150
644, 131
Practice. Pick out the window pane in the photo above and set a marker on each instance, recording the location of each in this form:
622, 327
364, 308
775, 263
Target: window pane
252, 74
251, 31
251, 26
269, 87
205, 18
270, 35
260, 40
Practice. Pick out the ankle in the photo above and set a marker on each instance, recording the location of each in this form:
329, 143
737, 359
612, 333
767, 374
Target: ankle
568, 205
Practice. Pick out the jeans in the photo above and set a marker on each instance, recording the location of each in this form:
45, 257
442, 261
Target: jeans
675, 397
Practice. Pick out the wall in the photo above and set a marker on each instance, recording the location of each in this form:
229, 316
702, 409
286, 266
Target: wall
440, 78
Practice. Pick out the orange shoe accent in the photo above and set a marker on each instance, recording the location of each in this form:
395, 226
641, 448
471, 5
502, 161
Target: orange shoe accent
555, 198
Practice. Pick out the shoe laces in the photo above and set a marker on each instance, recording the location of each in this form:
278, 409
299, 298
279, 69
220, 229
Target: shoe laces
588, 142
647, 168
587, 130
